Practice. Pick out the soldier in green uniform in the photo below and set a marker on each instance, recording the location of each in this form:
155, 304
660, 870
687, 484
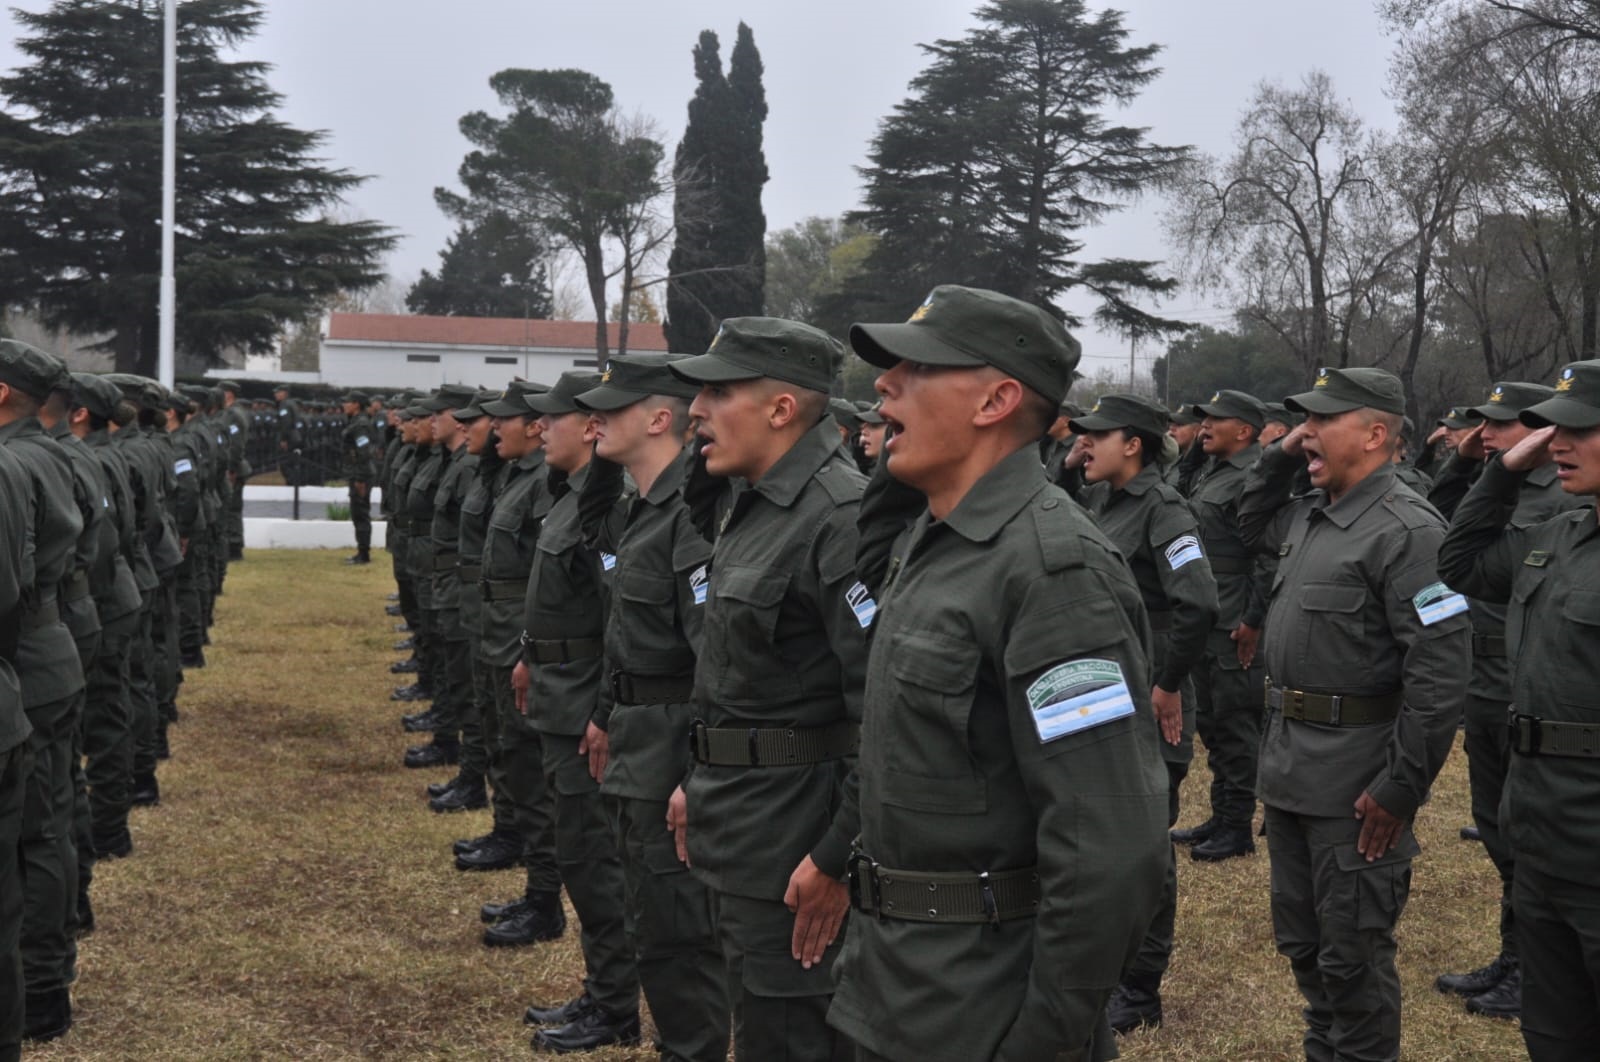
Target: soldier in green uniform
16, 756
291, 435
359, 444
1367, 655
1121, 446
1547, 576
652, 639
415, 486
194, 465
1012, 799
52, 690
1496, 988
1228, 687
561, 684
237, 421
778, 680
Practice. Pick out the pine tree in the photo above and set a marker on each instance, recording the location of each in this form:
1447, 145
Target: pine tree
491, 267
80, 185
718, 263
988, 172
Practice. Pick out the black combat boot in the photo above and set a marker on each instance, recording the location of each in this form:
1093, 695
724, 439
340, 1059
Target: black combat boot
561, 1013
1197, 834
1226, 843
500, 851
1504, 1000
146, 792
423, 722
468, 796
48, 1015
493, 912
361, 557
1477, 982
1135, 1002
589, 1030
542, 918
414, 692
439, 752
404, 667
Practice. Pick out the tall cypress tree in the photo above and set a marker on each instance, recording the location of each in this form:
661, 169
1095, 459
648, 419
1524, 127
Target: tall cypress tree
80, 185
718, 262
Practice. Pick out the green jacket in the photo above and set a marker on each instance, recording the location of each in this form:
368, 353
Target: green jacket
1357, 609
1548, 576
991, 625
511, 537
1243, 579
359, 441
784, 645
16, 583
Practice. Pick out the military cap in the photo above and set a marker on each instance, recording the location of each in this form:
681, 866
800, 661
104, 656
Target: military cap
969, 327
417, 409
1341, 390
449, 396
562, 398
845, 412
474, 409
230, 386
869, 414
752, 348
1234, 405
1123, 411
280, 386
354, 396
1455, 418
1507, 401
29, 369
1574, 404
1069, 410
1282, 414
100, 397
1185, 415
513, 401
197, 392
631, 377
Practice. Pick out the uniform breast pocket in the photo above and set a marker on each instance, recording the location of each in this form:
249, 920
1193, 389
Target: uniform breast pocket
1333, 627
929, 750
645, 600
1580, 622
1525, 599
742, 630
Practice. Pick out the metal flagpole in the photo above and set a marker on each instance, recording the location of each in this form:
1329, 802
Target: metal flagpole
169, 194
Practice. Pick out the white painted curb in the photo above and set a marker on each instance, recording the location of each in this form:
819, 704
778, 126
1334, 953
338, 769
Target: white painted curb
271, 533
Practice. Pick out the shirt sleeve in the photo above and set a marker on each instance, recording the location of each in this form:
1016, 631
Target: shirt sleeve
1480, 552
888, 507
1190, 589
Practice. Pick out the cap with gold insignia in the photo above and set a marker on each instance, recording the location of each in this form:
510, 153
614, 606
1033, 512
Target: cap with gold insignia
1455, 418
1233, 405
1069, 410
513, 401
30, 370
449, 396
751, 348
1123, 411
1574, 404
562, 398
961, 327
630, 378
99, 396
1507, 400
474, 409
1277, 411
1341, 390
357, 397
867, 413
1185, 415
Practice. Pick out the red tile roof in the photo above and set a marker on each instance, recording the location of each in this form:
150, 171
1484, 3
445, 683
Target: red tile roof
485, 331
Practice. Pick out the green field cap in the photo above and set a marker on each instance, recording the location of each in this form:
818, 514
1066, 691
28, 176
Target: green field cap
1277, 411
449, 396
752, 348
1341, 390
99, 396
961, 327
1455, 418
31, 370
563, 397
1185, 415
1575, 403
1506, 401
513, 401
631, 377
1123, 411
1234, 405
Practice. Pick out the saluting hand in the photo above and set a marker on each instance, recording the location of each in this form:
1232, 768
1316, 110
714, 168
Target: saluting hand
819, 903
519, 686
1471, 445
1293, 443
1530, 452
595, 744
678, 823
1075, 456
1380, 831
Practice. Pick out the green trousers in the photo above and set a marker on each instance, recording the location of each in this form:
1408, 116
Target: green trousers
473, 706
1228, 710
499, 715
674, 936
361, 517
107, 733
16, 766
1558, 922
1333, 915
1155, 951
780, 1009
591, 870
1488, 746
520, 749
48, 854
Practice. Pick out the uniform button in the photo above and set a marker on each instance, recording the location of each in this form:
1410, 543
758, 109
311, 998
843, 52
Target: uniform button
1051, 503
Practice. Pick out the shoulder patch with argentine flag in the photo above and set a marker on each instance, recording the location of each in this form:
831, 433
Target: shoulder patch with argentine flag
1078, 695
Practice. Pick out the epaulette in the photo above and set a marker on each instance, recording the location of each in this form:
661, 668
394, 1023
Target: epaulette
1059, 543
842, 482
1414, 511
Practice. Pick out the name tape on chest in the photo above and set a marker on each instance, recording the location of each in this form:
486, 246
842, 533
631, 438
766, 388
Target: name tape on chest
608, 561
1183, 550
1078, 695
861, 603
698, 583
182, 465
1438, 602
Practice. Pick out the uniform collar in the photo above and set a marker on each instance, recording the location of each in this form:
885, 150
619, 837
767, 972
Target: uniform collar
1149, 476
670, 482
21, 427
1542, 476
1360, 498
790, 473
577, 479
997, 497
1244, 458
530, 461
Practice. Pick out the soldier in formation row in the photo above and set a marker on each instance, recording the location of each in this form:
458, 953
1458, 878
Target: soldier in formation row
117, 529
827, 732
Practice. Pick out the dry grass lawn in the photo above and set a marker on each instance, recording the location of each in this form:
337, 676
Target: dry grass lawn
294, 898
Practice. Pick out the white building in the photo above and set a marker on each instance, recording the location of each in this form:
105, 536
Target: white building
383, 352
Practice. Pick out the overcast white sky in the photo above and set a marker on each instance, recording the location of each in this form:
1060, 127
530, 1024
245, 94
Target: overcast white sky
388, 79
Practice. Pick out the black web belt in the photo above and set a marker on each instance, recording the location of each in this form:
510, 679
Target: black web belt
561, 650
771, 747
918, 896
446, 561
504, 589
1334, 709
471, 573
651, 689
1532, 736
1488, 645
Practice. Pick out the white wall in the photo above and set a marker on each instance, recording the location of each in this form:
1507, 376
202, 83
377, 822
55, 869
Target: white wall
347, 363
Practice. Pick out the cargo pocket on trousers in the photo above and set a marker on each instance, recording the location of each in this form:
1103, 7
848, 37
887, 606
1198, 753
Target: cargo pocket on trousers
1381, 888
674, 908
779, 976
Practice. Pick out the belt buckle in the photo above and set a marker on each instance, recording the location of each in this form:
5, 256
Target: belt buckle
699, 744
1335, 709
986, 893
861, 874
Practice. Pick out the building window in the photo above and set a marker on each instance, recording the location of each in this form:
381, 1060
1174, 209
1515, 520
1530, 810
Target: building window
586, 363
501, 361
423, 357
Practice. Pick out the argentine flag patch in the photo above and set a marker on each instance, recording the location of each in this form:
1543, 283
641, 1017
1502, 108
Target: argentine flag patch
1438, 602
233, 429
1182, 550
182, 465
861, 603
608, 561
698, 583
362, 440
1078, 695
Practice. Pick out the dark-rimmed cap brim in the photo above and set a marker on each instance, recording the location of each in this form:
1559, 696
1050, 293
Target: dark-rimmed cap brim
550, 404
711, 368
1092, 422
886, 345
505, 407
1323, 405
608, 399
1563, 413
1490, 411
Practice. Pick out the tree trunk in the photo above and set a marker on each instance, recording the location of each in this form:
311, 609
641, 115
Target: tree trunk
595, 272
